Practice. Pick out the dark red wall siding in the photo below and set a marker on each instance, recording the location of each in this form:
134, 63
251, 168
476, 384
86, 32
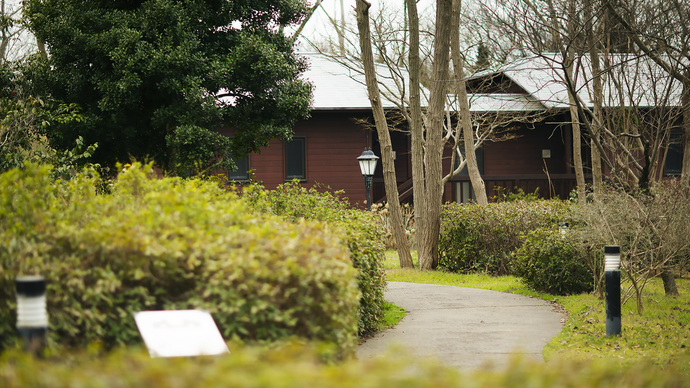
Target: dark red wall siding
523, 155
518, 163
333, 143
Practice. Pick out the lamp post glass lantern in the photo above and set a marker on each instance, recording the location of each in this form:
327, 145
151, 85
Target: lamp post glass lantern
367, 163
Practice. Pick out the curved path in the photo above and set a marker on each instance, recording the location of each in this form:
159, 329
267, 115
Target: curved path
466, 327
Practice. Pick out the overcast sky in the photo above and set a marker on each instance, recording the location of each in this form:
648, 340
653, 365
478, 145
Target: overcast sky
319, 25
22, 43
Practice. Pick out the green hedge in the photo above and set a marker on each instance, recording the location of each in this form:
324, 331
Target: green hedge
294, 367
554, 263
478, 238
169, 244
364, 237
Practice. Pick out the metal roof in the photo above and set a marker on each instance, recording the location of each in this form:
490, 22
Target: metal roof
339, 83
502, 102
629, 81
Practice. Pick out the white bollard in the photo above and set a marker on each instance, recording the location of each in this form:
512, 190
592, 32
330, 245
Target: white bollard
32, 316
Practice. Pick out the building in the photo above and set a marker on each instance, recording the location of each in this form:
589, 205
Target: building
526, 100
542, 155
325, 147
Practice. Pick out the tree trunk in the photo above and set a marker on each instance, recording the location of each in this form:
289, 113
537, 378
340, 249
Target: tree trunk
341, 30
669, 279
577, 154
4, 38
428, 249
574, 116
310, 12
384, 136
416, 128
569, 57
464, 108
685, 172
41, 48
598, 96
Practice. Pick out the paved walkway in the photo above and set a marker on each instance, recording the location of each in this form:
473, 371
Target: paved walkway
466, 327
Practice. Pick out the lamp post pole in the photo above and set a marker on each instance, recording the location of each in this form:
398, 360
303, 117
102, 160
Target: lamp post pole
367, 185
367, 164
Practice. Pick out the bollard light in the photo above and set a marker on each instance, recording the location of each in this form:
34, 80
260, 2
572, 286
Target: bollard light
612, 274
563, 227
367, 163
32, 318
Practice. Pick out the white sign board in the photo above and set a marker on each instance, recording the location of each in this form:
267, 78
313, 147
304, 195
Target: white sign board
180, 333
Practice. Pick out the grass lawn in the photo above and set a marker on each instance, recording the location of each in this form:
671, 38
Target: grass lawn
661, 334
392, 315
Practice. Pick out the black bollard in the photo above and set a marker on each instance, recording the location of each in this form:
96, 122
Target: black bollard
612, 273
32, 318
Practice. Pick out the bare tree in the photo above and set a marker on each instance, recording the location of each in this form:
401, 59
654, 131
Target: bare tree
311, 11
632, 61
409, 66
433, 156
594, 38
633, 105
384, 136
415, 115
464, 108
652, 231
15, 39
658, 28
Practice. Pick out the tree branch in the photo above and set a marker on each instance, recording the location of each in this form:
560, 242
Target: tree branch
636, 38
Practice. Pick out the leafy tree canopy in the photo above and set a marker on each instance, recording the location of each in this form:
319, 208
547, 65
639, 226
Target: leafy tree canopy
23, 121
155, 78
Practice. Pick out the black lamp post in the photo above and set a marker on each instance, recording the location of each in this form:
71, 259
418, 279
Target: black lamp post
367, 163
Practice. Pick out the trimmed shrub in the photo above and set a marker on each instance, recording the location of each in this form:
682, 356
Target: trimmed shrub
552, 262
476, 238
363, 235
160, 244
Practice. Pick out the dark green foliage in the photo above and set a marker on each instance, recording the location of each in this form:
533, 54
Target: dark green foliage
552, 262
169, 244
483, 58
478, 238
364, 237
192, 147
141, 69
23, 122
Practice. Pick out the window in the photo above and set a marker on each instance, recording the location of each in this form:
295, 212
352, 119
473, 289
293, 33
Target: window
241, 174
674, 156
464, 192
295, 159
479, 152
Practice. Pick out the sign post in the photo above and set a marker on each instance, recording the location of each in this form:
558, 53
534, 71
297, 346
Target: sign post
180, 333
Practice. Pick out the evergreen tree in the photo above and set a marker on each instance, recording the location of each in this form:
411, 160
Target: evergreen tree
156, 78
